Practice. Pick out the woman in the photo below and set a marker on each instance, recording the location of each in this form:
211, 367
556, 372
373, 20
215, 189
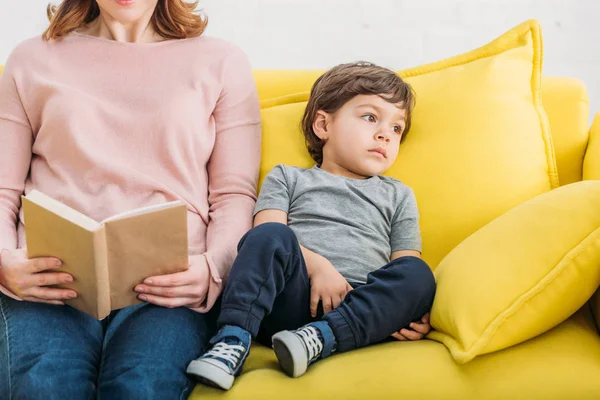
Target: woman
121, 104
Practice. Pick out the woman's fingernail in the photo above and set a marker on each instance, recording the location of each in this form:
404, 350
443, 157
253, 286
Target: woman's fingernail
142, 297
148, 281
57, 263
139, 289
68, 279
72, 295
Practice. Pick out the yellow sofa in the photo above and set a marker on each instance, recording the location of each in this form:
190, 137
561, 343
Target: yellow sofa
563, 363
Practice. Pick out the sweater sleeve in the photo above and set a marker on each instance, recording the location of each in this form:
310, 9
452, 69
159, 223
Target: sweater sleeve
16, 139
232, 170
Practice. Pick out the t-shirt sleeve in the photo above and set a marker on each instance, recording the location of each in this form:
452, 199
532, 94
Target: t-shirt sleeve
406, 233
274, 193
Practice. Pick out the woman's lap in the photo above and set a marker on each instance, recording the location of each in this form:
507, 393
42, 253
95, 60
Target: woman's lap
137, 352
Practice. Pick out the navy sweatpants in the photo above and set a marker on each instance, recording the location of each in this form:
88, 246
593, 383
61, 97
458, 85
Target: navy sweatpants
268, 290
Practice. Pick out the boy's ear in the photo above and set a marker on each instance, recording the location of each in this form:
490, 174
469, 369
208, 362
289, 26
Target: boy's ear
321, 125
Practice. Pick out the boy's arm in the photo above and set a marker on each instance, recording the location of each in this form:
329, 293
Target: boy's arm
405, 236
405, 253
279, 216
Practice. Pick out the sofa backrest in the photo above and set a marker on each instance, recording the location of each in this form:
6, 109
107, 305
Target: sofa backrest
565, 100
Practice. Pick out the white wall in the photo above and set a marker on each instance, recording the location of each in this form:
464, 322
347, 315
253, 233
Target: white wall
395, 33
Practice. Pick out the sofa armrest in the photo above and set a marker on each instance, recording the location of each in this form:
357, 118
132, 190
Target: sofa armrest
591, 163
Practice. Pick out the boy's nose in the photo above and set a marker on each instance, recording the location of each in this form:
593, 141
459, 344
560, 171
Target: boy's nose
383, 136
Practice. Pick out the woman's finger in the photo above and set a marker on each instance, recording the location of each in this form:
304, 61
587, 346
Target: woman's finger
52, 294
168, 291
38, 300
40, 264
50, 278
169, 302
426, 318
183, 278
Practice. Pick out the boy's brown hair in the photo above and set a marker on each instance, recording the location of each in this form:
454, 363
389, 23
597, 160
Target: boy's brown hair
340, 84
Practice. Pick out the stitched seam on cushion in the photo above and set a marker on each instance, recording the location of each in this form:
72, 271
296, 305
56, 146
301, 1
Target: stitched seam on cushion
491, 49
5, 319
536, 91
560, 267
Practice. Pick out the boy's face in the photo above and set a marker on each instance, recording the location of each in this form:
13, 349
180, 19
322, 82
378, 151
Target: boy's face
362, 138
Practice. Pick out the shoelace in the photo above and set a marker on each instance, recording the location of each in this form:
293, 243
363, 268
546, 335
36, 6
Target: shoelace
228, 352
310, 336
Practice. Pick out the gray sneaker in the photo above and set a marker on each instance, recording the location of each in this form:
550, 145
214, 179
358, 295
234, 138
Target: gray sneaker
296, 350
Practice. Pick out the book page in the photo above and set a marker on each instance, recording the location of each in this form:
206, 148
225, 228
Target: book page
143, 210
62, 210
48, 234
145, 245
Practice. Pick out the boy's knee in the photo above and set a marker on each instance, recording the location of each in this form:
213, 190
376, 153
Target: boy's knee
268, 232
420, 274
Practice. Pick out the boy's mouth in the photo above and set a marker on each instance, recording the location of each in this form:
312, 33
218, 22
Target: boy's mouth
379, 150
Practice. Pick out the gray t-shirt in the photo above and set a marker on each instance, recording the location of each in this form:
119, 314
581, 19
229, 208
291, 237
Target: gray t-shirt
354, 223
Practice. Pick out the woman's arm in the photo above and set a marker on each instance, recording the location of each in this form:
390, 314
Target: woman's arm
232, 170
16, 139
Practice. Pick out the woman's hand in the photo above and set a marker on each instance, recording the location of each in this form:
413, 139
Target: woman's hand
417, 330
29, 278
326, 284
181, 289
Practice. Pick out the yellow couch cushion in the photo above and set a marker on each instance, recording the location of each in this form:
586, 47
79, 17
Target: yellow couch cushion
521, 274
564, 363
567, 104
479, 144
591, 164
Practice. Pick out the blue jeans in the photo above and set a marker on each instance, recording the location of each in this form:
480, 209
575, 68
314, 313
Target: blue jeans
268, 290
139, 352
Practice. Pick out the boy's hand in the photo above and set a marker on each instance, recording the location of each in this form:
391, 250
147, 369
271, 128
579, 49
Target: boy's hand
181, 289
417, 331
328, 286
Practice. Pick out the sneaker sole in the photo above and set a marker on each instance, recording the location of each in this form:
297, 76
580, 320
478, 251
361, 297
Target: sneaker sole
290, 353
210, 375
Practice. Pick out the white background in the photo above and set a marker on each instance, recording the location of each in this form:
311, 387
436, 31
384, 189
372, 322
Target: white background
302, 34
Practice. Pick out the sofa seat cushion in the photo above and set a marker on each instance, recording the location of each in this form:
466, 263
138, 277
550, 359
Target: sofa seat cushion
563, 363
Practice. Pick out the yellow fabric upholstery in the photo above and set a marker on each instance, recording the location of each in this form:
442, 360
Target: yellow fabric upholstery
591, 165
460, 128
567, 105
275, 83
563, 363
565, 100
492, 296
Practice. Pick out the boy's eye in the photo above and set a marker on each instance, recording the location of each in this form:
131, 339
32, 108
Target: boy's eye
369, 118
397, 129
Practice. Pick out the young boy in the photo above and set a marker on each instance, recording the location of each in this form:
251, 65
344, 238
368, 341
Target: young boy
338, 234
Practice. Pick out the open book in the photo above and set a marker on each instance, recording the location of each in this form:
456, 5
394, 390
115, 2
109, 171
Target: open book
107, 259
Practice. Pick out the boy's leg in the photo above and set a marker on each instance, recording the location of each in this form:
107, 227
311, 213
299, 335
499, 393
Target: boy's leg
47, 351
268, 281
393, 297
